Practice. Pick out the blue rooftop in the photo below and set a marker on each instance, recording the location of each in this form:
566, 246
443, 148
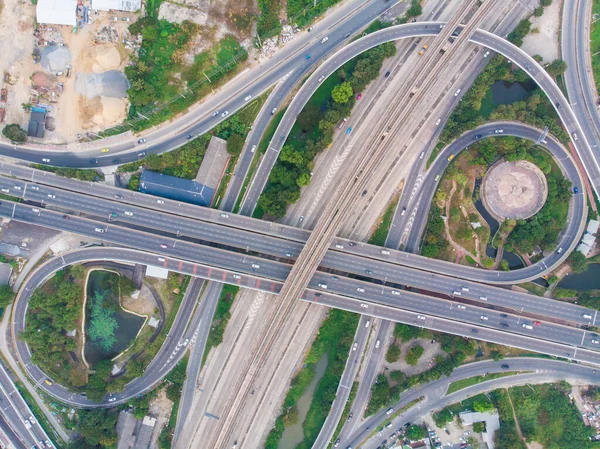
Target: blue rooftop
175, 188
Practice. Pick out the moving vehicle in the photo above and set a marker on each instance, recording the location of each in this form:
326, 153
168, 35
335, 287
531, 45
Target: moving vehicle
273, 111
348, 131
325, 39
498, 131
307, 57
360, 290
364, 306
438, 121
248, 97
128, 213
322, 285
359, 96
160, 201
395, 292
45, 159
142, 141
50, 195
112, 399
483, 318
450, 158
354, 346
237, 276
104, 150
163, 246
457, 92
403, 211
461, 307
377, 343
253, 149
527, 326
483, 298
389, 411
387, 73
425, 47
188, 137
486, 54
100, 230
421, 317
35, 211
225, 114
27, 424
214, 114
575, 189
255, 265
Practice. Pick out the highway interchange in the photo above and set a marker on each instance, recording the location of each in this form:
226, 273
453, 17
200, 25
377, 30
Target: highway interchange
349, 287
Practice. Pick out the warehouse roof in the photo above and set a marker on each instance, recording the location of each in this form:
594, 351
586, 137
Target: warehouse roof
117, 5
56, 12
175, 188
214, 163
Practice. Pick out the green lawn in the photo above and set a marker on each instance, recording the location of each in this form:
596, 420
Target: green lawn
464, 383
595, 42
381, 232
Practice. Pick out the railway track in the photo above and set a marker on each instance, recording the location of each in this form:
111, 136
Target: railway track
352, 183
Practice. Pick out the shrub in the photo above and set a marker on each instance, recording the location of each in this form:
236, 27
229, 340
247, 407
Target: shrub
15, 133
393, 354
414, 354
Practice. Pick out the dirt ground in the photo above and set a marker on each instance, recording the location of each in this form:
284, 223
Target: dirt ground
144, 304
28, 83
426, 361
545, 43
160, 408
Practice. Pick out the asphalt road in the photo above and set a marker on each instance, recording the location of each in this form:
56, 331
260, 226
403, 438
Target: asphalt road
86, 197
288, 62
15, 412
434, 393
550, 339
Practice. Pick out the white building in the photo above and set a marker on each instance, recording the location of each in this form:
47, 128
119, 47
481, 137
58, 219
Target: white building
592, 227
57, 12
117, 5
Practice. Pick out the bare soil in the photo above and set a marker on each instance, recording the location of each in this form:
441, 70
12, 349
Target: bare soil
144, 304
160, 408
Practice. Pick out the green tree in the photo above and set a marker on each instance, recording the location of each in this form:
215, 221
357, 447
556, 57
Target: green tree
556, 67
483, 405
577, 261
393, 354
539, 11
102, 323
413, 355
443, 417
15, 133
479, 427
342, 92
546, 2
415, 433
98, 427
235, 143
6, 295
415, 9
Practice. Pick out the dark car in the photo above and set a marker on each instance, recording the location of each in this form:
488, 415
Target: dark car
93, 161
364, 193
505, 366
575, 189
503, 315
66, 217
387, 73
119, 197
474, 331
116, 161
557, 105
189, 136
504, 325
477, 137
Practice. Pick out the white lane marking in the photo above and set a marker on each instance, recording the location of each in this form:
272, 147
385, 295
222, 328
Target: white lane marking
582, 338
254, 308
594, 320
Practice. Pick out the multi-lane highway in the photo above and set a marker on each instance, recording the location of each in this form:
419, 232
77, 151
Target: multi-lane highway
288, 65
441, 315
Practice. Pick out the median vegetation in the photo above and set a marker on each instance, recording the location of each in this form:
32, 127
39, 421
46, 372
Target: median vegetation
221, 318
315, 127
76, 173
333, 340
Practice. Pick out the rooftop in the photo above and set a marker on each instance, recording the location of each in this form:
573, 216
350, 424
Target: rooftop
175, 188
213, 164
56, 12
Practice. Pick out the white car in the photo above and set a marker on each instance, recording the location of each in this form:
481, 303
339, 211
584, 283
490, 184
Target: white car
483, 298
438, 121
214, 114
273, 111
128, 213
360, 290
253, 149
237, 276
595, 341
461, 307
457, 92
45, 159
224, 216
365, 306
256, 266
395, 292
17, 188
325, 39
484, 317
34, 188
160, 201
112, 399
527, 326
389, 411
377, 343
5, 190
367, 323
465, 289
322, 285
385, 252
498, 131
32, 420
161, 259
422, 155
248, 98
339, 246
35, 210
321, 78
354, 346
421, 317
100, 230
456, 293
163, 246
27, 425
486, 54
225, 114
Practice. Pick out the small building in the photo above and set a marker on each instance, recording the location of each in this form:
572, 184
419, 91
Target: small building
157, 272
213, 164
589, 240
57, 12
593, 226
145, 433
175, 188
37, 121
117, 5
492, 424
584, 249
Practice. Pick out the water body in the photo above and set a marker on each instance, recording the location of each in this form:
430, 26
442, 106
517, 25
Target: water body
128, 323
588, 280
294, 435
514, 261
502, 92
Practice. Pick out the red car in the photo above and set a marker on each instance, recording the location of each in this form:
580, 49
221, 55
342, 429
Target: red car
359, 96
537, 323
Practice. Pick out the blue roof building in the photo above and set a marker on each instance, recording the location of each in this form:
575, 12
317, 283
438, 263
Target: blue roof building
175, 188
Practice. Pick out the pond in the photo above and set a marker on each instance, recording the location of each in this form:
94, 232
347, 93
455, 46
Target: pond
502, 92
294, 435
588, 280
109, 329
514, 261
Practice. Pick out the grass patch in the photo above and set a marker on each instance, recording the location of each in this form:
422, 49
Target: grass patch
388, 420
334, 339
464, 383
534, 288
76, 173
595, 42
379, 235
220, 319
